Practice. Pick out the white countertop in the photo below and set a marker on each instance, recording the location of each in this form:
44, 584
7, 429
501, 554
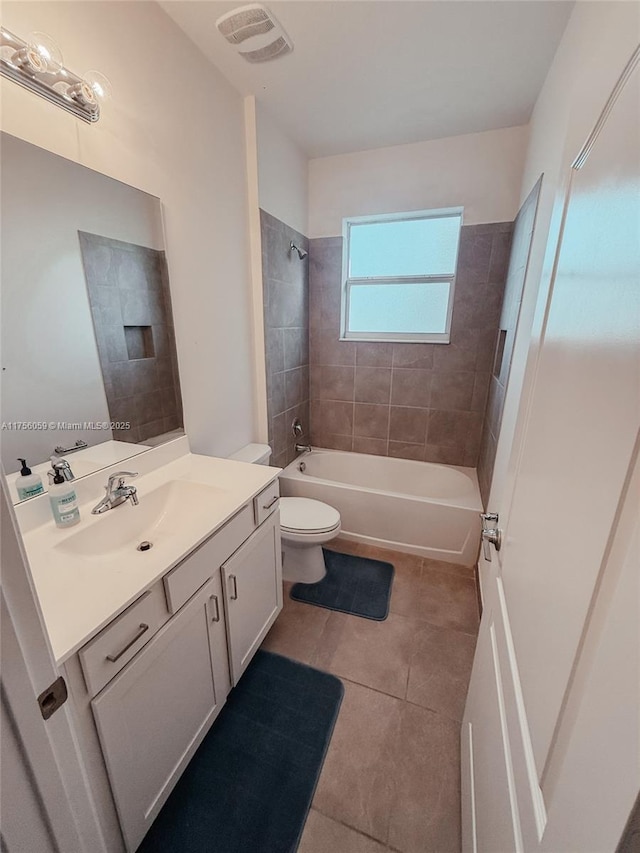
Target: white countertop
80, 593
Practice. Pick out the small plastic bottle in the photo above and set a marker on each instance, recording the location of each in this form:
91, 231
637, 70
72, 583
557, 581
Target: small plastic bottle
64, 501
28, 485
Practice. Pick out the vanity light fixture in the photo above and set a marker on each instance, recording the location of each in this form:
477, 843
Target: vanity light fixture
36, 64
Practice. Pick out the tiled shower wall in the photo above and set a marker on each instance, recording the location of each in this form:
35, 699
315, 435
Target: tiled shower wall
286, 326
521, 244
130, 302
415, 401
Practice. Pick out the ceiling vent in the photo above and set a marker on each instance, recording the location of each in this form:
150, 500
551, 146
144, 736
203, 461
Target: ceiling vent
255, 33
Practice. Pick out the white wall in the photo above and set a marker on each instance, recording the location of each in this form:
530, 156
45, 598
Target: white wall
598, 41
174, 128
481, 171
51, 369
277, 183
282, 174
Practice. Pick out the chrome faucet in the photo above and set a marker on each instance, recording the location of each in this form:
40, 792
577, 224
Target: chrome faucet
118, 494
62, 467
298, 431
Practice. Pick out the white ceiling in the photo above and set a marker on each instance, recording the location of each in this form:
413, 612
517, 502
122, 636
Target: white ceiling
370, 73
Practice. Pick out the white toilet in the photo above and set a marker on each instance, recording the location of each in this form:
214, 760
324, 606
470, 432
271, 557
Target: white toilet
305, 526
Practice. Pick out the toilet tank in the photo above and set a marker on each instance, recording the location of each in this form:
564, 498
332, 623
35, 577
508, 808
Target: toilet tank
259, 454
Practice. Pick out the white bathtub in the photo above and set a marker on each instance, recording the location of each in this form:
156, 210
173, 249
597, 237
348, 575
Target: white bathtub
417, 507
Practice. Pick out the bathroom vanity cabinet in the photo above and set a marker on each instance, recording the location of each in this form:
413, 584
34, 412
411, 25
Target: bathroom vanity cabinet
147, 688
252, 601
156, 711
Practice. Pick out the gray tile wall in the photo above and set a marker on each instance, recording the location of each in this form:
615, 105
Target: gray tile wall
519, 256
286, 326
415, 401
630, 840
128, 285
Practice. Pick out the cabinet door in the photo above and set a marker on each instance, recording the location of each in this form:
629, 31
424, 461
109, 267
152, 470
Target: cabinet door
154, 714
253, 593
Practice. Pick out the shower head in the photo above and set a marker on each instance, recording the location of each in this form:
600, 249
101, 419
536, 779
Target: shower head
301, 252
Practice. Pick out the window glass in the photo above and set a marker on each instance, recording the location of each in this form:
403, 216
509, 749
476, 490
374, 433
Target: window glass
404, 308
408, 247
399, 276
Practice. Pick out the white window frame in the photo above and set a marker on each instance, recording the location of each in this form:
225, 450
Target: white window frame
348, 283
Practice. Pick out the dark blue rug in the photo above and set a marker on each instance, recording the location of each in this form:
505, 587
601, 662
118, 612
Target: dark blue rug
249, 786
352, 584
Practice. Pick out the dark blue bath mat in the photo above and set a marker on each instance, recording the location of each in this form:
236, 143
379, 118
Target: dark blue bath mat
352, 584
249, 786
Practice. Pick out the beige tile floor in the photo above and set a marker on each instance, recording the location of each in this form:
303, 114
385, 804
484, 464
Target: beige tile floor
391, 778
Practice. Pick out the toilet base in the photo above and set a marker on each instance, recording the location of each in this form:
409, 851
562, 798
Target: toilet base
302, 563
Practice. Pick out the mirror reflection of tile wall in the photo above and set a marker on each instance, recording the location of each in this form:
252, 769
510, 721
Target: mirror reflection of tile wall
128, 289
72, 362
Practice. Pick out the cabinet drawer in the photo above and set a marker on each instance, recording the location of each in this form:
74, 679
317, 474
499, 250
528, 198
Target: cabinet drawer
105, 655
181, 583
266, 502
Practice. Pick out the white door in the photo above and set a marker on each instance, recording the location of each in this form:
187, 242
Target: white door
44, 796
578, 450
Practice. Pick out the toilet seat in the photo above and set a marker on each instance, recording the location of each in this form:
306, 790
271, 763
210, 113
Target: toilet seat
305, 516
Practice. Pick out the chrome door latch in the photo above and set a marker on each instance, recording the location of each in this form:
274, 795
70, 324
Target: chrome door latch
490, 535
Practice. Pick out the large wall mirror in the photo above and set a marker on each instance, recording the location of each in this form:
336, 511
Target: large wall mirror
89, 367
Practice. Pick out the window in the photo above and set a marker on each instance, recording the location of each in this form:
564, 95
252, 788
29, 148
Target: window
398, 276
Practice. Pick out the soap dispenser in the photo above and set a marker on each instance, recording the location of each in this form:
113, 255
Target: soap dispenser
28, 484
63, 498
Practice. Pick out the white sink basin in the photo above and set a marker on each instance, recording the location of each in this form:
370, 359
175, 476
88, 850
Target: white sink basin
160, 515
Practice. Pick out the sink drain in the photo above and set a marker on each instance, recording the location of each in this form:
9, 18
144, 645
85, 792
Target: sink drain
145, 546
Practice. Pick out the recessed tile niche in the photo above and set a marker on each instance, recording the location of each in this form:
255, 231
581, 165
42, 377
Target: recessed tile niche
128, 289
139, 341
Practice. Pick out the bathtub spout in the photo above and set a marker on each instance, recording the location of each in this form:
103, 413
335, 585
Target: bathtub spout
303, 448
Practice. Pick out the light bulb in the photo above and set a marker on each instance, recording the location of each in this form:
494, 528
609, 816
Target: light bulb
29, 60
83, 93
100, 84
47, 48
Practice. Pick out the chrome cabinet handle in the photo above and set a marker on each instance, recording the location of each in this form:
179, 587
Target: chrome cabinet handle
271, 503
216, 617
141, 631
490, 535
235, 587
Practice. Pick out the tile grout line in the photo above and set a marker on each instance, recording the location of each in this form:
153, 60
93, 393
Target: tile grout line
448, 574
367, 687
361, 832
434, 711
400, 615
390, 404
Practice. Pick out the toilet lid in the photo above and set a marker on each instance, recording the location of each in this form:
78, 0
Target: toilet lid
306, 515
